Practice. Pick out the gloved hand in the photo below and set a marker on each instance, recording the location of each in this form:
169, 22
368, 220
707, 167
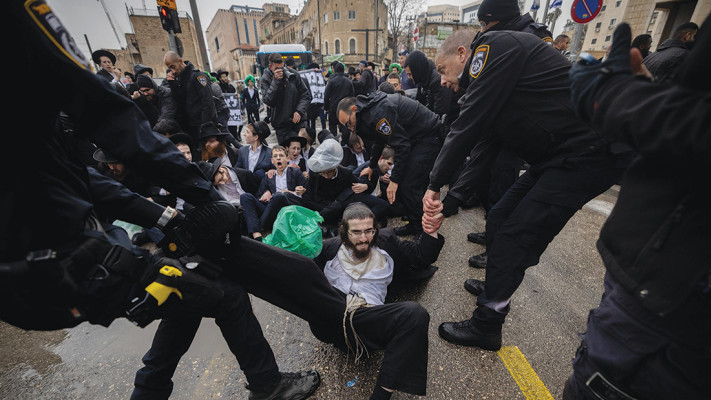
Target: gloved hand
588, 75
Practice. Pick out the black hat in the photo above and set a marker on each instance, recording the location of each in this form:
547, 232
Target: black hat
145, 81
262, 130
209, 129
498, 10
220, 72
98, 53
403, 53
139, 69
325, 134
104, 156
182, 137
209, 168
351, 71
293, 138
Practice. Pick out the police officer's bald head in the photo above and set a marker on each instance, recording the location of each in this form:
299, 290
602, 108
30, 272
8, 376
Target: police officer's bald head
452, 56
174, 63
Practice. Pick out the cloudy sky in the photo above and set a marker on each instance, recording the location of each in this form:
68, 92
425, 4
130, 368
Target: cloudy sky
88, 17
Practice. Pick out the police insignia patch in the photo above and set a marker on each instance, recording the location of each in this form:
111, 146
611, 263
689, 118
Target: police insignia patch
55, 31
479, 60
383, 127
202, 80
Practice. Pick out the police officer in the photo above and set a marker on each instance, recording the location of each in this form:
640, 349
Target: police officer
570, 163
650, 337
411, 130
59, 266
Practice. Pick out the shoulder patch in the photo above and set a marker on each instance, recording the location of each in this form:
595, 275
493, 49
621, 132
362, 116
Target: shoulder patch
548, 40
481, 54
55, 31
383, 127
202, 79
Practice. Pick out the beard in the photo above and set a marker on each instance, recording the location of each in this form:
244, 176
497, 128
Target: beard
359, 253
218, 150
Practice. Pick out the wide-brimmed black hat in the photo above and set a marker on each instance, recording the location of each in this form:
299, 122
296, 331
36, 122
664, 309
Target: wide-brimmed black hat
351, 71
101, 155
220, 72
209, 168
293, 138
182, 137
210, 129
98, 53
262, 130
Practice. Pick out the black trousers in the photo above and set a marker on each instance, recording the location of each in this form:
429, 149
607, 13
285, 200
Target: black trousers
642, 354
252, 115
413, 183
532, 212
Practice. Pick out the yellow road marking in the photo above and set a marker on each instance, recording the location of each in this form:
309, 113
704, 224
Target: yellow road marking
528, 381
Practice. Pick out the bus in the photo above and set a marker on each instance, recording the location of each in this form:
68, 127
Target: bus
302, 57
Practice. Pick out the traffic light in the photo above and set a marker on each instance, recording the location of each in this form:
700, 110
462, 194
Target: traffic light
169, 19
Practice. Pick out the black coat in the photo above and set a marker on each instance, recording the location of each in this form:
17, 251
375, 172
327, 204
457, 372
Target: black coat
663, 63
285, 96
339, 86
325, 191
250, 102
430, 92
193, 93
294, 178
161, 111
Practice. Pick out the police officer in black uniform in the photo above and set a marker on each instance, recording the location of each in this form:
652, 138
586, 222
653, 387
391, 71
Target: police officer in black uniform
411, 130
650, 337
570, 163
59, 266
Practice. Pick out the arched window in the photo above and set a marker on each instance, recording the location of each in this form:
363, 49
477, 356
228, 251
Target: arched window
352, 46
337, 46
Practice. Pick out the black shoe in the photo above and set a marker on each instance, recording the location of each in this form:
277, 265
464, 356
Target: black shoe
477, 237
474, 286
292, 386
141, 238
465, 333
406, 230
450, 206
479, 260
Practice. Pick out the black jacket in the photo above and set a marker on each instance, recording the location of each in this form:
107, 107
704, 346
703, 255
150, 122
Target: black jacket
323, 191
397, 121
196, 104
285, 96
518, 96
339, 86
161, 111
250, 102
366, 84
663, 63
294, 178
430, 92
655, 242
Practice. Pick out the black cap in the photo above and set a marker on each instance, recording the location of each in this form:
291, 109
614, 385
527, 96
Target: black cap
98, 53
498, 10
101, 155
182, 137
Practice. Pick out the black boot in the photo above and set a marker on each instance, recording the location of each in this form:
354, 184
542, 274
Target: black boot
474, 286
479, 260
292, 386
466, 333
477, 237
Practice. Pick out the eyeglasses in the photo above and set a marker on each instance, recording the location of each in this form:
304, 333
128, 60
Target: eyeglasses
367, 232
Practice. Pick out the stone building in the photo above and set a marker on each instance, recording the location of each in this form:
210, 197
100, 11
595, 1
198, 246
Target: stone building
432, 34
443, 13
657, 18
277, 25
469, 12
233, 37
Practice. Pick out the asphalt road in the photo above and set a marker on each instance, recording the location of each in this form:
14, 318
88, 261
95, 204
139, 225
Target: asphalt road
548, 311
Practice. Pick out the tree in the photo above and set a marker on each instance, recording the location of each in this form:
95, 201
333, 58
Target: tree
398, 13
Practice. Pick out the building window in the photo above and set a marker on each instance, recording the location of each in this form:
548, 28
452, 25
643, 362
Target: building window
613, 21
325, 18
598, 25
352, 46
593, 41
256, 34
217, 45
336, 15
607, 38
246, 30
604, 6
351, 14
618, 3
337, 46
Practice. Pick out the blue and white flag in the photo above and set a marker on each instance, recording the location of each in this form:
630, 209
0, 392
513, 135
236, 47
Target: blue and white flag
556, 4
536, 5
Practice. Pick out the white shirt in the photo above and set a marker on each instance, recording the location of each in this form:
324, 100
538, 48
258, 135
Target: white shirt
281, 182
360, 157
253, 157
231, 190
372, 286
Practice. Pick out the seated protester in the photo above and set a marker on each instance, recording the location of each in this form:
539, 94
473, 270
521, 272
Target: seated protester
293, 145
284, 188
361, 262
157, 104
109, 165
214, 144
256, 155
308, 150
231, 183
355, 154
329, 183
374, 188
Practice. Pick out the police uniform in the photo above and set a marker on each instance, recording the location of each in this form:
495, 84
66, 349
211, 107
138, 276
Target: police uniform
519, 96
59, 266
193, 91
650, 336
413, 132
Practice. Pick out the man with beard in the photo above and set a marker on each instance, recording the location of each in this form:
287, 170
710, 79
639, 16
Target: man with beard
361, 266
157, 103
671, 53
214, 144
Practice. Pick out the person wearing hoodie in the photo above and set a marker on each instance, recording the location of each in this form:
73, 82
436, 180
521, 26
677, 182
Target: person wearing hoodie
192, 91
430, 92
138, 69
157, 103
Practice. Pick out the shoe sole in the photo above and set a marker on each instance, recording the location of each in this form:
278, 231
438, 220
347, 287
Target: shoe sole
450, 339
472, 290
